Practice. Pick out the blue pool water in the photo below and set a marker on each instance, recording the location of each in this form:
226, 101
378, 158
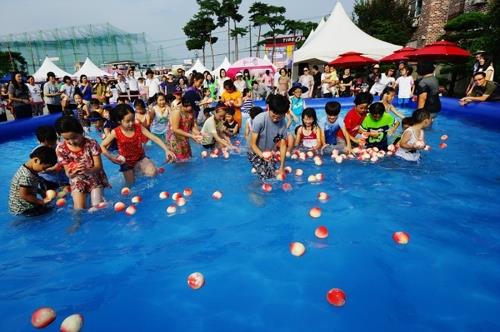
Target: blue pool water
129, 273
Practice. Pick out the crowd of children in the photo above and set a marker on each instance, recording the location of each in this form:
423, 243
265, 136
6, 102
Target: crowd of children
285, 127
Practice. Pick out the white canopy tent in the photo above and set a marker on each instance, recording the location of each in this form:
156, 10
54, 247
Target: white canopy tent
198, 66
224, 65
268, 61
48, 66
313, 31
90, 70
340, 35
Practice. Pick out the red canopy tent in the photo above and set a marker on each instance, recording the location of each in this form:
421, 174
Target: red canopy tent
402, 54
352, 59
441, 50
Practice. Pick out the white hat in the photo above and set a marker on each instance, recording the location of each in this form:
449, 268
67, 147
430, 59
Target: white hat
238, 74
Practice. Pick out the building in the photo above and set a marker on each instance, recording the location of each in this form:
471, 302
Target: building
69, 47
431, 17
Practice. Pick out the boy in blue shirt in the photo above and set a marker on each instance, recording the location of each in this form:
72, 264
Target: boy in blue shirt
332, 125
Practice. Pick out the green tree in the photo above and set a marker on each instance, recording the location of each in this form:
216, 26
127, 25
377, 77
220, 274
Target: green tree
199, 31
230, 12
11, 61
209, 10
258, 16
275, 21
299, 28
378, 19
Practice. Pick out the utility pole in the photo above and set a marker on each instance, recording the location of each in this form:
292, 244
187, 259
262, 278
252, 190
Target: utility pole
250, 34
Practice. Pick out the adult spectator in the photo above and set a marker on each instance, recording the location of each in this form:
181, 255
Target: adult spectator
52, 94
317, 81
68, 90
428, 89
36, 96
374, 75
239, 83
122, 87
232, 98
19, 97
100, 89
482, 64
327, 82
483, 90
152, 84
284, 82
181, 74
268, 81
307, 80
168, 85
85, 88
133, 84
193, 92
385, 80
220, 81
346, 83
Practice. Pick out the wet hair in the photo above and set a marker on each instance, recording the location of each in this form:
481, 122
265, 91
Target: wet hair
425, 67
68, 124
363, 98
387, 90
196, 77
220, 106
377, 108
311, 113
245, 91
46, 134
408, 121
420, 115
278, 104
332, 108
185, 101
121, 111
158, 95
95, 102
95, 116
139, 102
46, 155
229, 84
169, 98
254, 111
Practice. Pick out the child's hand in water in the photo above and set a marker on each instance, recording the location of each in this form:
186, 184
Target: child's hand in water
198, 138
170, 156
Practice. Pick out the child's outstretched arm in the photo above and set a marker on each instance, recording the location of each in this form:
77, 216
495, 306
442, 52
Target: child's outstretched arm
169, 155
105, 145
28, 195
298, 137
319, 135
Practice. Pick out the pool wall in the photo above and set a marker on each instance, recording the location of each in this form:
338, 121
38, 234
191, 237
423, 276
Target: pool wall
487, 114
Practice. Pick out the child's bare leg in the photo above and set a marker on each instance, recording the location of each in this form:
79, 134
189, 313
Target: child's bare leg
289, 143
129, 176
79, 200
96, 196
147, 167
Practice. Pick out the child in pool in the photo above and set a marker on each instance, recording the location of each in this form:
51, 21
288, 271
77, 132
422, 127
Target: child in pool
141, 116
332, 125
254, 111
160, 115
377, 125
405, 123
354, 118
213, 130
413, 140
204, 106
97, 120
232, 127
247, 101
81, 158
96, 106
53, 177
26, 185
309, 135
130, 137
82, 111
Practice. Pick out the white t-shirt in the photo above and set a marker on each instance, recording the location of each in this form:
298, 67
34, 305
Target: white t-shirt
35, 92
133, 84
325, 87
308, 82
404, 86
380, 85
153, 86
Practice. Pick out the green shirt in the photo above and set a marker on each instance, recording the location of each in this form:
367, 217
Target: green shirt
487, 89
382, 126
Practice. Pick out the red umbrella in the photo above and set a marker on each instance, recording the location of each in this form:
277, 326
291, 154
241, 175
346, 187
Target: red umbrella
352, 59
402, 54
442, 50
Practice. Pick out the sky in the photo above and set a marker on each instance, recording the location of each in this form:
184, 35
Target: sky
161, 20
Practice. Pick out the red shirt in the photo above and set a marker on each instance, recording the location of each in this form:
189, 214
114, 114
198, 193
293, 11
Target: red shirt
352, 122
130, 147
